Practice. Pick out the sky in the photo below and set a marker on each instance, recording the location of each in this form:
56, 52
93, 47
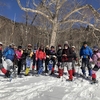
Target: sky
13, 12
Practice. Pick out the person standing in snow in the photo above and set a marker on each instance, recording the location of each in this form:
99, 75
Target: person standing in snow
53, 58
5, 71
96, 60
86, 53
59, 58
74, 59
18, 57
47, 51
9, 56
40, 56
34, 59
67, 56
29, 54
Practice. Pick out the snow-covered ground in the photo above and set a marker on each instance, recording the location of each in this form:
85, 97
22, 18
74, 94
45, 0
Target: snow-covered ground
48, 88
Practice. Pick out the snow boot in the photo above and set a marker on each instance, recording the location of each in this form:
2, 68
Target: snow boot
4, 70
70, 75
33, 67
52, 71
7, 74
27, 71
61, 70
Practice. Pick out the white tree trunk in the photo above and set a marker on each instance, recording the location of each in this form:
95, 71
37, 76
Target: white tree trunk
53, 35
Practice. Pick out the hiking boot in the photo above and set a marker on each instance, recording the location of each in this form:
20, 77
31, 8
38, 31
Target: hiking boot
8, 73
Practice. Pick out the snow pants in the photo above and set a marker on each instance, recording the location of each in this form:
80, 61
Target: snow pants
86, 63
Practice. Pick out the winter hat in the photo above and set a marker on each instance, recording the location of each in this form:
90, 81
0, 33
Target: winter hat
20, 47
84, 42
52, 47
29, 45
66, 45
66, 42
95, 48
1, 43
47, 46
59, 45
73, 46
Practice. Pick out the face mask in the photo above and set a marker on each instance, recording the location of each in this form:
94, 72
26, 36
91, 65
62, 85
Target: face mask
66, 47
59, 47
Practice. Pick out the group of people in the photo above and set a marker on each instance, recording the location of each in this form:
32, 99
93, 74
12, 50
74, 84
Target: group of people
64, 56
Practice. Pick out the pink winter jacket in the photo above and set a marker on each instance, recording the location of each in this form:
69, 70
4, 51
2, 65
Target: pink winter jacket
95, 59
18, 54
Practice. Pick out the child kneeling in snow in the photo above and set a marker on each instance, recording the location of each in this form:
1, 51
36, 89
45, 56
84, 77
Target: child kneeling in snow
96, 60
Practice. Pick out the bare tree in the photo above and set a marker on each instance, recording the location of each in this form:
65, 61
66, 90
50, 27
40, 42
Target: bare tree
52, 10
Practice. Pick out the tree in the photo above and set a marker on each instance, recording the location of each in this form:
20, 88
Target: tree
60, 12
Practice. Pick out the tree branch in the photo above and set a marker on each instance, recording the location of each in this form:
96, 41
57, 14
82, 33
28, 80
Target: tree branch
80, 21
80, 8
34, 11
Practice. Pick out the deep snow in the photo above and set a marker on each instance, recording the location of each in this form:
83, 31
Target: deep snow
48, 88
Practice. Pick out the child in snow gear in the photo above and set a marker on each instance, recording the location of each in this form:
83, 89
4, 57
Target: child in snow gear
6, 72
29, 54
47, 51
96, 60
74, 59
40, 56
86, 53
67, 56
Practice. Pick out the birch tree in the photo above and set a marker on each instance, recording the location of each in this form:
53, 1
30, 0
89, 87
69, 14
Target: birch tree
61, 12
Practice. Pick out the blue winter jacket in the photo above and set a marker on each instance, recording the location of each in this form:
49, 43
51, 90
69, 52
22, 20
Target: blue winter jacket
9, 54
86, 52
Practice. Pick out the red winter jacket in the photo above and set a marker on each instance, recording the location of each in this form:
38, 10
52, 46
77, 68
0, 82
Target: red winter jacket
40, 55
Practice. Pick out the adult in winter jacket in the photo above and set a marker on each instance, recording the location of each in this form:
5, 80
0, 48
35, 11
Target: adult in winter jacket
29, 54
40, 56
5, 71
47, 51
9, 56
86, 53
67, 56
34, 59
53, 58
10, 53
18, 57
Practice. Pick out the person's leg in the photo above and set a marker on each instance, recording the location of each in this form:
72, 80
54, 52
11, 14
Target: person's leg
89, 67
83, 67
69, 68
73, 67
54, 62
46, 65
34, 61
94, 70
28, 62
19, 67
